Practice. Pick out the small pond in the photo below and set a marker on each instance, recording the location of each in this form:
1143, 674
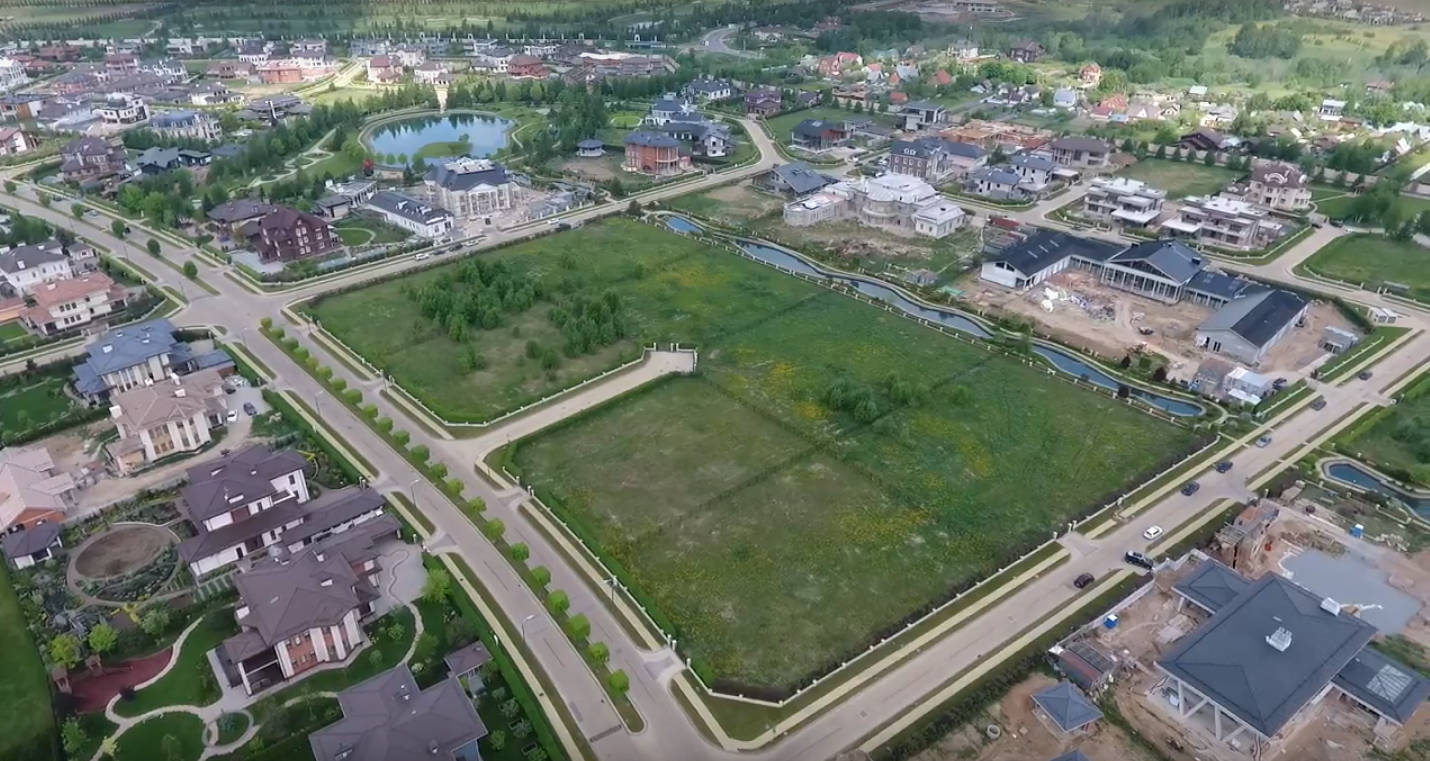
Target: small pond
484, 135
1358, 476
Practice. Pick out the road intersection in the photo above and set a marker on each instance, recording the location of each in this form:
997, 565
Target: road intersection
845, 718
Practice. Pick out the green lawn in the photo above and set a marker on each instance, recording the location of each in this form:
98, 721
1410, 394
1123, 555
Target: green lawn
729, 205
34, 405
1340, 208
27, 725
1375, 260
11, 331
358, 231
1399, 442
171, 737
1180, 179
445, 148
191, 681
781, 125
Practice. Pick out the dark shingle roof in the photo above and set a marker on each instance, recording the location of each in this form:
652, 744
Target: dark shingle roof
1389, 687
652, 140
1173, 258
445, 176
464, 659
386, 718
1230, 660
1212, 585
1077, 143
1047, 247
801, 177
31, 540
1218, 284
408, 207
239, 210
242, 477
30, 256
129, 345
1257, 317
1067, 706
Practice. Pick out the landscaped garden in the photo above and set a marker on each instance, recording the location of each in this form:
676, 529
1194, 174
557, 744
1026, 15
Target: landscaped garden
364, 231
175, 736
191, 680
909, 464
1181, 178
1376, 261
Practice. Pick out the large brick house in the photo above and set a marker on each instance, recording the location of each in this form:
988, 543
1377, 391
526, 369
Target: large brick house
655, 153
90, 159
284, 235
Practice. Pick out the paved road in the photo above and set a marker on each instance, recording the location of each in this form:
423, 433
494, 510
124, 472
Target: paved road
669, 732
718, 41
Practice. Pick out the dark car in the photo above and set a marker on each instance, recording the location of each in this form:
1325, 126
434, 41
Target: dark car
1138, 559
1191, 488
1319, 404
1223, 466
1279, 383
1083, 580
1363, 375
250, 409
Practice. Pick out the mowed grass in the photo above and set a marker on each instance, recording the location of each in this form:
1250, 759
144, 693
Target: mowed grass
781, 125
34, 405
149, 740
190, 682
1375, 260
663, 276
27, 725
1342, 206
1400, 440
780, 535
1180, 179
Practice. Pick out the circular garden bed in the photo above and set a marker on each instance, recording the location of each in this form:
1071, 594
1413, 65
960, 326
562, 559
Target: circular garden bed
121, 550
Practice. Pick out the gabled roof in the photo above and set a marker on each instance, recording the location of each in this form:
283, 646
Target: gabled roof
143, 407
1174, 259
1389, 687
1078, 143
1218, 284
652, 140
27, 482
386, 718
801, 177
1033, 161
996, 175
1067, 706
1047, 247
1278, 174
27, 257
1231, 658
407, 207
26, 542
1257, 317
464, 659
465, 175
1211, 585
240, 478
130, 345
239, 209
817, 127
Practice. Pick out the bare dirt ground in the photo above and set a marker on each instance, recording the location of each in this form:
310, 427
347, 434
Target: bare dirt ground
595, 169
1025, 737
1093, 316
120, 550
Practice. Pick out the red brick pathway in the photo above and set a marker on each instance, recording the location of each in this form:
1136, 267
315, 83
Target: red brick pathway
94, 693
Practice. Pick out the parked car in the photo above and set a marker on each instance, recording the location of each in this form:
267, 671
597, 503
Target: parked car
232, 416
423, 255
1223, 466
1138, 559
1152, 533
250, 409
1264, 441
1363, 375
1191, 488
1279, 383
1083, 580
1319, 404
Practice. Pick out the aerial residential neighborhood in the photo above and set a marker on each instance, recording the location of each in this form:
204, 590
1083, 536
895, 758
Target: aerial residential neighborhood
809, 380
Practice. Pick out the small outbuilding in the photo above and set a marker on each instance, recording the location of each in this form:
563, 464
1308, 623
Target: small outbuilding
1066, 707
590, 149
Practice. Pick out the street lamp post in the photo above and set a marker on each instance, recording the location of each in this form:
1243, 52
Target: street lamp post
523, 626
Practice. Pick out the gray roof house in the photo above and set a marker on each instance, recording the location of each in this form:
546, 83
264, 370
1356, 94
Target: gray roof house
1383, 686
27, 547
1041, 255
127, 356
387, 718
1067, 706
797, 179
408, 213
1261, 660
1211, 585
1250, 325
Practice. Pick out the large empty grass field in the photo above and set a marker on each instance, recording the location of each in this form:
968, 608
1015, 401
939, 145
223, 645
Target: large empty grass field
1400, 441
1375, 260
1180, 179
27, 725
777, 527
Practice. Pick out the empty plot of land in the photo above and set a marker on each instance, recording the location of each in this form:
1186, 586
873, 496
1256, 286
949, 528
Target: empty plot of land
1376, 260
730, 205
1180, 179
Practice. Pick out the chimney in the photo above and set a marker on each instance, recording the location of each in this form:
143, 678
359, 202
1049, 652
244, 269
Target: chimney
107, 348
328, 582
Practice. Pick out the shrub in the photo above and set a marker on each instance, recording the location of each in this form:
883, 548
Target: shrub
384, 424
352, 396
325, 372
276, 332
401, 437
339, 384
266, 323
558, 600
477, 505
494, 528
454, 487
600, 652
370, 410
541, 576
579, 626
438, 471
619, 682
421, 453
520, 552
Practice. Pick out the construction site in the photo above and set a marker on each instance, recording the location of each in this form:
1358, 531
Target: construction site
1118, 665
1074, 307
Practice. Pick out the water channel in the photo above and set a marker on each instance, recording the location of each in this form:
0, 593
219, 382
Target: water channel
1355, 475
876, 289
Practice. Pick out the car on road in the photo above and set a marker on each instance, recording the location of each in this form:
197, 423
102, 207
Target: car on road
232, 416
1191, 488
1279, 383
1363, 375
1264, 441
1138, 559
1083, 579
250, 409
423, 255
1319, 404
1223, 466
1152, 533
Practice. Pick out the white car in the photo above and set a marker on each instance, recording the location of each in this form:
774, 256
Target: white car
1152, 533
232, 416
423, 255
